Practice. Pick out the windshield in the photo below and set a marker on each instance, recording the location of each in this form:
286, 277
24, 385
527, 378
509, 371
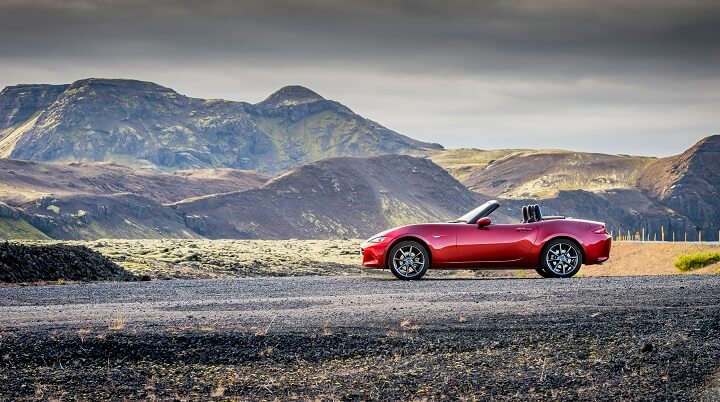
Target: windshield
479, 212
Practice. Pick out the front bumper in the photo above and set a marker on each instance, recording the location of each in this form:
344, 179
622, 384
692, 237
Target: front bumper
374, 254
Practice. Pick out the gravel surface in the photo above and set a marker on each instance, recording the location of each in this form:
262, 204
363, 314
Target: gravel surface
370, 337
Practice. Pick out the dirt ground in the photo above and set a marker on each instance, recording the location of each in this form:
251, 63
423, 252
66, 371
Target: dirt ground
630, 258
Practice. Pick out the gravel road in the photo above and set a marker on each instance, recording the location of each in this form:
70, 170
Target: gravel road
643, 338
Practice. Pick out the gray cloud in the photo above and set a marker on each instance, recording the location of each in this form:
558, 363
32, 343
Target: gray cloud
633, 77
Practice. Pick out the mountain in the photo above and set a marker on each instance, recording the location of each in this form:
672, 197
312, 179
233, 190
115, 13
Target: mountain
690, 183
675, 194
621, 209
123, 158
22, 181
93, 216
94, 200
144, 125
339, 197
523, 173
336, 197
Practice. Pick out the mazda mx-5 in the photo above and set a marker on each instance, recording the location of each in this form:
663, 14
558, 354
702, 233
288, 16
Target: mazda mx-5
555, 246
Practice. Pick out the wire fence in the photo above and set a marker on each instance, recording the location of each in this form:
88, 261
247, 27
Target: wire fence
648, 235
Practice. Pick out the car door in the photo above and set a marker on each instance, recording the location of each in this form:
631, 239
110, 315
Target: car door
495, 244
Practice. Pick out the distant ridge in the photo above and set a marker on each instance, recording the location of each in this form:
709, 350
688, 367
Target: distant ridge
145, 125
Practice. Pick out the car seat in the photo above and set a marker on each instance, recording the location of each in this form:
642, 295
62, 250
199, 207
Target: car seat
525, 215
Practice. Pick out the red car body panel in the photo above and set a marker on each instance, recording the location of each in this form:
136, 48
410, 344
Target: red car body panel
469, 246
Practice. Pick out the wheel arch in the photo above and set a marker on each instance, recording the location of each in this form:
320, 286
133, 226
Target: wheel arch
409, 238
570, 238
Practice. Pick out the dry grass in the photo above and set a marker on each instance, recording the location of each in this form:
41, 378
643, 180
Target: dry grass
204, 259
325, 329
117, 324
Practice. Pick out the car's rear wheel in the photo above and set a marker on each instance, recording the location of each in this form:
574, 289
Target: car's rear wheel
409, 260
561, 258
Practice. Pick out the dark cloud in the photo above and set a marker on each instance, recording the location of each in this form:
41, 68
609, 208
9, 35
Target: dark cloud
614, 76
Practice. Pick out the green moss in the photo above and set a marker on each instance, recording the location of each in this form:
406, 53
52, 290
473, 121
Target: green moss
19, 229
693, 261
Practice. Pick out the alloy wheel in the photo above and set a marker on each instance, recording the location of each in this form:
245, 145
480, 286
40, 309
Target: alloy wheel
408, 261
562, 258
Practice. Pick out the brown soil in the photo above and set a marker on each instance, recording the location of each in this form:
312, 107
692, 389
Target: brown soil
628, 258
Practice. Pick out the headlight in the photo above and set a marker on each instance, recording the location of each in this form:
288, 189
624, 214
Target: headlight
376, 239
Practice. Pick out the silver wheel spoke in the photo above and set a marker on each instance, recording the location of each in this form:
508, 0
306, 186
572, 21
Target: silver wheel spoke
562, 258
408, 261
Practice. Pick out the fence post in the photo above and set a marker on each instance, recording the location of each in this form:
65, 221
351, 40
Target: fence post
699, 236
673, 236
662, 233
685, 237
642, 234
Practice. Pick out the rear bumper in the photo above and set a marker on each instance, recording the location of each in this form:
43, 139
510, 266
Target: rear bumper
597, 248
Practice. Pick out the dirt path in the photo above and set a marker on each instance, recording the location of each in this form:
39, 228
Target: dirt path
365, 337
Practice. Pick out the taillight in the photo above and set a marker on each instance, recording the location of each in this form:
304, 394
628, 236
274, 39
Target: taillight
600, 230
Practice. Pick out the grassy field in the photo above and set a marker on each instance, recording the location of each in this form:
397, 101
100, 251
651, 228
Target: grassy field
175, 258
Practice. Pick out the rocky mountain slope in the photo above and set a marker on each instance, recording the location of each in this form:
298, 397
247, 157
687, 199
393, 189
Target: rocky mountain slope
524, 173
622, 210
145, 125
676, 194
689, 183
339, 197
94, 200
22, 181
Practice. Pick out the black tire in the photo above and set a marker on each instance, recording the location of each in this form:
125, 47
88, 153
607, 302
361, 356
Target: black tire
561, 258
541, 271
408, 260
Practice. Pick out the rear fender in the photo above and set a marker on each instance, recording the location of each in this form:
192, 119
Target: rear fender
544, 239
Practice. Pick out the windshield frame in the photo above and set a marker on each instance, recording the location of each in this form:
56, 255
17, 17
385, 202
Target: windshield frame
480, 212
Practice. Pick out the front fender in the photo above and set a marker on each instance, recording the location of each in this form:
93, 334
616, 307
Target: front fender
442, 249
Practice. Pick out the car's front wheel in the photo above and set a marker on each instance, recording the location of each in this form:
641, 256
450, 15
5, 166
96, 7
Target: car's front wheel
409, 260
561, 258
542, 272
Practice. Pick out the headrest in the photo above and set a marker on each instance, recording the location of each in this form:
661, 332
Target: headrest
531, 214
538, 214
525, 216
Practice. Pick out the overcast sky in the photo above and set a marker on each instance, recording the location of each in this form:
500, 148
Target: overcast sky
635, 77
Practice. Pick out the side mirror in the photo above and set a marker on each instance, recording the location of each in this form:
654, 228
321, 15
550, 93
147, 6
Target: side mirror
482, 222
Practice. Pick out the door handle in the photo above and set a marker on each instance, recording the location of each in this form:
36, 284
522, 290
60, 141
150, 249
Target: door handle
523, 229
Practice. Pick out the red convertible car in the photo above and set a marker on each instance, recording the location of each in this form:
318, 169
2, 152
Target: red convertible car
555, 246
